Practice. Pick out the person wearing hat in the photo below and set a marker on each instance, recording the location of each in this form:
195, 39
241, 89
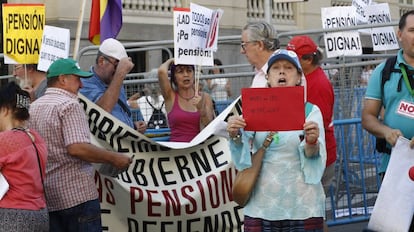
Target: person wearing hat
60, 119
105, 87
280, 184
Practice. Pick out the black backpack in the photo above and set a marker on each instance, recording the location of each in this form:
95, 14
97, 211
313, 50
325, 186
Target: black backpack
158, 119
381, 143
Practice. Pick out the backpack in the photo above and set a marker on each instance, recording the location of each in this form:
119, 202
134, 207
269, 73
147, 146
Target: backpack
158, 119
381, 143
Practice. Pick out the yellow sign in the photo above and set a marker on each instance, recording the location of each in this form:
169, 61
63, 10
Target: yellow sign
22, 32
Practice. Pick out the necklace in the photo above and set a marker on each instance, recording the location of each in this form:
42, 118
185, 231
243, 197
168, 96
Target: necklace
185, 98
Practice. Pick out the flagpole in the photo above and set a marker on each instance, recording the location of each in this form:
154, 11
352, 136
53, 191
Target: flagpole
79, 30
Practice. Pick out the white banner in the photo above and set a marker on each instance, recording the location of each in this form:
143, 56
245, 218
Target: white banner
169, 186
394, 207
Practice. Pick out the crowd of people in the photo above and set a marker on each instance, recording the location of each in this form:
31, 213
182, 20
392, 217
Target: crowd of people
284, 175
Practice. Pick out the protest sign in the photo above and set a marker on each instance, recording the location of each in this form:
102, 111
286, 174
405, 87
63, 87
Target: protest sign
360, 6
393, 210
274, 109
346, 43
55, 45
23, 26
383, 38
195, 35
166, 188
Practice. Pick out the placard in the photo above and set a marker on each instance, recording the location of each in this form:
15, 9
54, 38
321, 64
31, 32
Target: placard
273, 109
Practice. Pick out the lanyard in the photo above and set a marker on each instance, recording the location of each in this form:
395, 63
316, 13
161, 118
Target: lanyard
405, 76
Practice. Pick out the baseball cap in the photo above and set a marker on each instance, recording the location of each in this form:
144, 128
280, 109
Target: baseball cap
65, 67
302, 45
113, 48
283, 54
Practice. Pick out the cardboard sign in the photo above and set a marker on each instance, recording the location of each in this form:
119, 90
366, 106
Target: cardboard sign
55, 45
393, 211
273, 109
22, 32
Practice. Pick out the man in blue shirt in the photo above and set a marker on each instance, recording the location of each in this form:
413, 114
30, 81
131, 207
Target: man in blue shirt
396, 96
105, 87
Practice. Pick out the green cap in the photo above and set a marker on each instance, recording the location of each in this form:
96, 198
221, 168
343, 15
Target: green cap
65, 67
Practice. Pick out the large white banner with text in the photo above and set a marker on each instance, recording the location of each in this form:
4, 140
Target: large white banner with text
169, 186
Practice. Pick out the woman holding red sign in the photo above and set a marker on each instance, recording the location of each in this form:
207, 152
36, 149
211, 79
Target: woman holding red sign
279, 178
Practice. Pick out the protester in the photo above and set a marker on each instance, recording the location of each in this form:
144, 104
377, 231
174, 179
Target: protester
220, 88
153, 107
32, 80
23, 156
105, 87
392, 96
258, 42
366, 74
189, 111
287, 194
72, 198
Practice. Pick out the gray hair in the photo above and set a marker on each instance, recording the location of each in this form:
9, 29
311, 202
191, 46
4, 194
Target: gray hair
263, 31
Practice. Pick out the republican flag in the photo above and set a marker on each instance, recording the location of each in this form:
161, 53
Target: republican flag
105, 21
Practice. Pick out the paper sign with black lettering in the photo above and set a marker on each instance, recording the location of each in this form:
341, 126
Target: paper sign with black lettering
55, 45
23, 26
383, 38
273, 109
360, 6
195, 35
343, 43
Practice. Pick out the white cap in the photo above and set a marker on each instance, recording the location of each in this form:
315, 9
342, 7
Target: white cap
113, 48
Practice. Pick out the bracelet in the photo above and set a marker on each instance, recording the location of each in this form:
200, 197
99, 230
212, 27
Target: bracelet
268, 140
264, 147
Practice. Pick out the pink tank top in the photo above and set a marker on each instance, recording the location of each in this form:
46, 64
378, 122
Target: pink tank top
184, 125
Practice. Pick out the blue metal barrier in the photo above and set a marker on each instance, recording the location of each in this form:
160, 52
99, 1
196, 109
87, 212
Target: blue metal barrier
354, 192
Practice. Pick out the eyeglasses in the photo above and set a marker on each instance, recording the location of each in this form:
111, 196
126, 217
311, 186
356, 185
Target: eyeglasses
243, 44
114, 63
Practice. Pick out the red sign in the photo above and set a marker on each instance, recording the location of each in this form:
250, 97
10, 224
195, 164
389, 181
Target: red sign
274, 109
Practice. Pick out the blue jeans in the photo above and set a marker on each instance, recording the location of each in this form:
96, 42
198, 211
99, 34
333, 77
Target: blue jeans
85, 217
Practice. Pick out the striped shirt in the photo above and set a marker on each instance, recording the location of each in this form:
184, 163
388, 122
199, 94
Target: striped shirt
61, 121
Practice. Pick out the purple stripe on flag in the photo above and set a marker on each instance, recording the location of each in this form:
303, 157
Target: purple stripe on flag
111, 21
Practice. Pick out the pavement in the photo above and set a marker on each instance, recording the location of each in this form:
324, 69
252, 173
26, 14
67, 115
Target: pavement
354, 227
